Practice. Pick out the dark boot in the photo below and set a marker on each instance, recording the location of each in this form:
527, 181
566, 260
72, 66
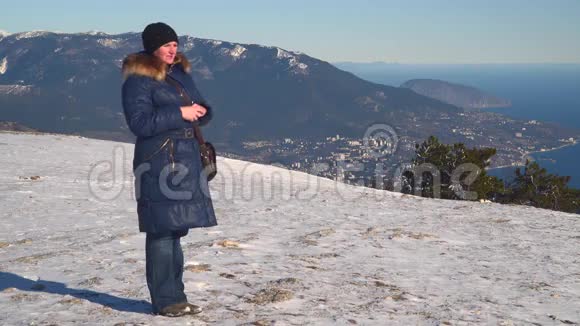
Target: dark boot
180, 309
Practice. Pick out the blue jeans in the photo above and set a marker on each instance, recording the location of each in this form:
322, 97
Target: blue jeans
164, 268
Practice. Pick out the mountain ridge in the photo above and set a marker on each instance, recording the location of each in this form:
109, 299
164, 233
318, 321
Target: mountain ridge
310, 96
71, 83
456, 94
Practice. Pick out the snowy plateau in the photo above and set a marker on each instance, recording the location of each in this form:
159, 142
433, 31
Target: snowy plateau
290, 249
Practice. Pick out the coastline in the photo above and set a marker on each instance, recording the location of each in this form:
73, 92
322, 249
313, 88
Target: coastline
526, 155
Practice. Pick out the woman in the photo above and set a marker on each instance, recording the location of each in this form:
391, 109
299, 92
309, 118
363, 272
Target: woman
161, 105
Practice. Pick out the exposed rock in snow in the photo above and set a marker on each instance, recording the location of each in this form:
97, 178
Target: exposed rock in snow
188, 44
237, 51
294, 65
118, 63
3, 65
94, 32
110, 42
290, 248
282, 54
300, 67
215, 42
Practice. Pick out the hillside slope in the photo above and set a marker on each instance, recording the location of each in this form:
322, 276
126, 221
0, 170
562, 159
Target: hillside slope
292, 249
456, 94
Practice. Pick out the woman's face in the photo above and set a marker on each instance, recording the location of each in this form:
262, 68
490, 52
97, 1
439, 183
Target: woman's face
166, 52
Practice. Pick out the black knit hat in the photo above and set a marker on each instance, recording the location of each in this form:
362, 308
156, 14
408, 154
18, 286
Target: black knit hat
157, 34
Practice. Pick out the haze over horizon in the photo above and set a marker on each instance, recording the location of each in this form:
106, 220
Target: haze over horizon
410, 32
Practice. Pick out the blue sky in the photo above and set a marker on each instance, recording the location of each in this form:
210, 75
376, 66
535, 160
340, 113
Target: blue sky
405, 31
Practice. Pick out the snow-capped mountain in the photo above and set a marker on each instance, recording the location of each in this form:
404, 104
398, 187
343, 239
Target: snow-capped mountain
72, 84
290, 249
79, 75
74, 44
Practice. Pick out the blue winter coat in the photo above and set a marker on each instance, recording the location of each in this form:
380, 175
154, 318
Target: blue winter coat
170, 185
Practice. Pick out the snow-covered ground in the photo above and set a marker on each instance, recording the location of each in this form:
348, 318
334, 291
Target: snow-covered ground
291, 249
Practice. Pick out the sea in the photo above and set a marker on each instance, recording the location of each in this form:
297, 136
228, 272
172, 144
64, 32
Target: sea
543, 92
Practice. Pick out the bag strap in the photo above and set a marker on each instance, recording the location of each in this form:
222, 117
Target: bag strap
198, 135
184, 95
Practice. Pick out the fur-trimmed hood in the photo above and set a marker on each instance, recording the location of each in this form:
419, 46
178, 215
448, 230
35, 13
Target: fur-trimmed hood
144, 64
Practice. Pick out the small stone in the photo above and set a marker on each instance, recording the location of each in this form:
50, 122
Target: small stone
4, 244
387, 285
35, 177
323, 233
92, 281
228, 244
198, 268
71, 300
397, 297
130, 261
420, 235
286, 281
228, 276
310, 242
329, 255
271, 295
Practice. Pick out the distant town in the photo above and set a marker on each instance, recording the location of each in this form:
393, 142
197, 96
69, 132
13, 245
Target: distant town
363, 161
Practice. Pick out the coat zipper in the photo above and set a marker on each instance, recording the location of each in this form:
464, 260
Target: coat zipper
182, 90
171, 152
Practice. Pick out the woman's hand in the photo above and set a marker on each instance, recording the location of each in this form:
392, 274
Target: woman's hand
193, 112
